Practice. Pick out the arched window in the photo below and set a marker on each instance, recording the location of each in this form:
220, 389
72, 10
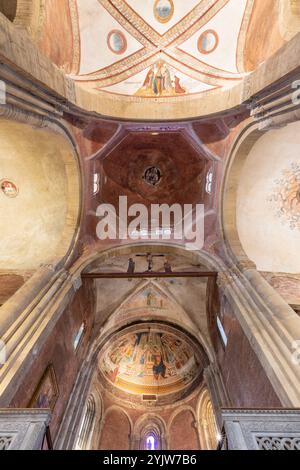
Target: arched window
96, 183
151, 443
149, 434
209, 182
209, 433
87, 425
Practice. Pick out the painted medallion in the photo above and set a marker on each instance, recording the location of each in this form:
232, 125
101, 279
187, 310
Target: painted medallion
9, 188
163, 10
208, 42
117, 42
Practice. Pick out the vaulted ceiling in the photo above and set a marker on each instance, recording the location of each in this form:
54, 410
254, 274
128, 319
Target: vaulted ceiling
158, 48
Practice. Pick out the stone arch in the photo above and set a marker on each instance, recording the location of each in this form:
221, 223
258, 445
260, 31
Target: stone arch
210, 261
208, 429
289, 23
30, 15
182, 429
43, 166
259, 160
87, 424
149, 425
240, 149
116, 429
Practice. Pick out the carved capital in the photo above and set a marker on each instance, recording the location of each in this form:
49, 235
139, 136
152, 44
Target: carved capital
225, 279
246, 264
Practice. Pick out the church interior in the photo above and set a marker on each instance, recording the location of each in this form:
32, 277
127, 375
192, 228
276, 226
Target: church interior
147, 341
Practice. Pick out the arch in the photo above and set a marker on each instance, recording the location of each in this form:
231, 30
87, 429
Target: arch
240, 149
289, 23
116, 429
149, 426
208, 429
182, 430
30, 15
258, 161
87, 425
42, 166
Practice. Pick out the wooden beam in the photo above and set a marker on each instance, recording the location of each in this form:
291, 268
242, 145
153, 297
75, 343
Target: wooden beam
149, 275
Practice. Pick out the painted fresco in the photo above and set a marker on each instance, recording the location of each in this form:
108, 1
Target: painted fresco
286, 197
161, 80
150, 362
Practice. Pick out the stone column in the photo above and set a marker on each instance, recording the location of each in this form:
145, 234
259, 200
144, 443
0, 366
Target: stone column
270, 325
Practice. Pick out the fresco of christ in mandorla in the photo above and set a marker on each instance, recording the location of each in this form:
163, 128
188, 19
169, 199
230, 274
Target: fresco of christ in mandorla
149, 362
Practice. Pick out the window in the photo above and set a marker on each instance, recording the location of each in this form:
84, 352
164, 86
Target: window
222, 332
209, 182
79, 336
96, 184
151, 443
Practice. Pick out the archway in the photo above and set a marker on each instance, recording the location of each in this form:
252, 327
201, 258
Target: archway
39, 182
260, 192
149, 433
208, 429
182, 430
87, 425
116, 430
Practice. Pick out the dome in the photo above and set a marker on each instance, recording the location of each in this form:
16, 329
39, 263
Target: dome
151, 359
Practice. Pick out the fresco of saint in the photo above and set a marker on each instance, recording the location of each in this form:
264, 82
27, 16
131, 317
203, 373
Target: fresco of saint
161, 81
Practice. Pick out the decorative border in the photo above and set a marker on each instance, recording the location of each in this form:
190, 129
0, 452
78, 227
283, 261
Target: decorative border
243, 36
75, 69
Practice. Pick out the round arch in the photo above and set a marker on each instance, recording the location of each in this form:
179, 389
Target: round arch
42, 166
259, 199
210, 261
118, 436
149, 426
207, 425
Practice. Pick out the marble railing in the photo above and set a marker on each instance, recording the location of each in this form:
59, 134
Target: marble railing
23, 429
274, 429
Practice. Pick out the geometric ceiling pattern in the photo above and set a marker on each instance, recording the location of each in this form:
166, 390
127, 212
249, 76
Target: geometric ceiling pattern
158, 48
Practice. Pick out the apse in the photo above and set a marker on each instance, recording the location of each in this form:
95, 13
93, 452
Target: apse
268, 201
151, 362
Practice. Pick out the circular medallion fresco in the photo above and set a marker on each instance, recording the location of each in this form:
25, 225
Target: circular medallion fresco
117, 42
163, 10
150, 361
208, 41
152, 176
9, 188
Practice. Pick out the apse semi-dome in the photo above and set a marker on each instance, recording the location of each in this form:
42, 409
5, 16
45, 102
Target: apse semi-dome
152, 359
